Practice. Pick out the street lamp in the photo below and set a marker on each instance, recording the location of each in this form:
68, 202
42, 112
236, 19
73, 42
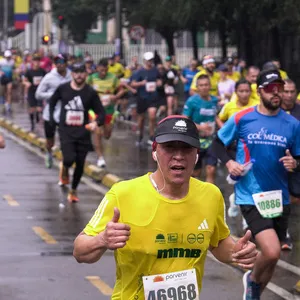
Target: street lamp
119, 39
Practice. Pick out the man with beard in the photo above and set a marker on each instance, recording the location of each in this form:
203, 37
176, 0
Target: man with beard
270, 139
77, 98
209, 66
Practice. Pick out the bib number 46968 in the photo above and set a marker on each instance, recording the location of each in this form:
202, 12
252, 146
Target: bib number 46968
182, 292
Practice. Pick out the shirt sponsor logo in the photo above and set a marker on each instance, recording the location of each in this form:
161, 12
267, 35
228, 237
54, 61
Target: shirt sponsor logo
263, 135
178, 252
207, 111
160, 238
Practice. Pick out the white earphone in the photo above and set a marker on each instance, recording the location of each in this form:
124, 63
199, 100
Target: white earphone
155, 157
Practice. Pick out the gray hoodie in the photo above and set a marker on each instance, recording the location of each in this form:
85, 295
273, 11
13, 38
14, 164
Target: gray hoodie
46, 89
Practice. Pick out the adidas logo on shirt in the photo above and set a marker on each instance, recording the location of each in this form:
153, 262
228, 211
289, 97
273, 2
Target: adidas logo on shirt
203, 225
75, 104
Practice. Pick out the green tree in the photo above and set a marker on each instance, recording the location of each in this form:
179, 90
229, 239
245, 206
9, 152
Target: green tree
161, 15
80, 15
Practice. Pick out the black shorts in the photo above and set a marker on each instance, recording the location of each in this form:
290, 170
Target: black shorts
32, 102
257, 223
72, 150
206, 156
143, 104
49, 130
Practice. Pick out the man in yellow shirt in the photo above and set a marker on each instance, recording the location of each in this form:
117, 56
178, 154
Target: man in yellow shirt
251, 76
163, 222
115, 67
283, 73
209, 66
231, 74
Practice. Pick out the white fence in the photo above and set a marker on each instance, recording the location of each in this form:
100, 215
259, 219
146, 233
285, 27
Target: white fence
183, 55
98, 51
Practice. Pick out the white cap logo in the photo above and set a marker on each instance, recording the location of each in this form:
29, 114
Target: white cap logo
180, 123
271, 75
180, 126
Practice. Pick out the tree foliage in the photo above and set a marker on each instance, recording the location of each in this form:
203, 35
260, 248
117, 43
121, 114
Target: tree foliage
261, 29
79, 15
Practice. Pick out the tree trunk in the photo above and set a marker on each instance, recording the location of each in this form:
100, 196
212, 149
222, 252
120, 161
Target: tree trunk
223, 38
168, 35
194, 33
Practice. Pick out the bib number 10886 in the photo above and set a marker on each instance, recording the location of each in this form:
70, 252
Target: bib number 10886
267, 204
182, 292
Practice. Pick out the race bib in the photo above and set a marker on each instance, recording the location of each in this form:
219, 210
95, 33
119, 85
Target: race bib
105, 99
37, 80
74, 118
269, 204
124, 80
151, 86
176, 285
169, 89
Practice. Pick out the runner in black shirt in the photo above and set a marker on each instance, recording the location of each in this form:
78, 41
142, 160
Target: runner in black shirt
31, 80
77, 99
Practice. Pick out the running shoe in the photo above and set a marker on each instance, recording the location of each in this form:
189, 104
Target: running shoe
115, 116
72, 196
63, 176
233, 209
287, 245
49, 160
101, 162
251, 288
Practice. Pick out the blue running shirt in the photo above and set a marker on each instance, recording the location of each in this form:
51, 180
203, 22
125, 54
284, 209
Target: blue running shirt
264, 138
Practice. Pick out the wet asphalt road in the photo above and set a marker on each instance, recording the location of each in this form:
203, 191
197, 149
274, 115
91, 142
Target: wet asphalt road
37, 269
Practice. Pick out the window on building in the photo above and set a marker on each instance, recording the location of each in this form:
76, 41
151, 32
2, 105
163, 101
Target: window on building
97, 26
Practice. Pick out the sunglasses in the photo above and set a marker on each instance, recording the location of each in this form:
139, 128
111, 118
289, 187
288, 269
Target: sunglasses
271, 86
60, 61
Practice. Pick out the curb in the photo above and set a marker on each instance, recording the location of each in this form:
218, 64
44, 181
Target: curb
90, 170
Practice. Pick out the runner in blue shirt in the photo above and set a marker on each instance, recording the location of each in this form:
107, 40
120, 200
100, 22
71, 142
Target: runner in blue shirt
202, 109
187, 77
270, 136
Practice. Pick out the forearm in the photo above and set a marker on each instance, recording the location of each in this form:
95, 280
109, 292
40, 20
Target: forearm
297, 169
88, 249
2, 142
224, 251
220, 151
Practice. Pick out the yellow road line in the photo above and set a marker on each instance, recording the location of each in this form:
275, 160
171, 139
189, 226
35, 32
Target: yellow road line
297, 286
44, 235
100, 285
10, 200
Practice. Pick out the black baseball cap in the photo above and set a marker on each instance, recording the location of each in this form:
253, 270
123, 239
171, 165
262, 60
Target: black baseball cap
266, 77
60, 58
177, 128
78, 67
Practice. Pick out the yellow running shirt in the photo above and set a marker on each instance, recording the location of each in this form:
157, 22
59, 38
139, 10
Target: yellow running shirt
166, 235
254, 97
230, 108
214, 80
283, 74
105, 86
117, 69
235, 76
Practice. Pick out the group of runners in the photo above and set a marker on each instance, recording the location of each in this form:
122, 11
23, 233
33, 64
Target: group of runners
245, 118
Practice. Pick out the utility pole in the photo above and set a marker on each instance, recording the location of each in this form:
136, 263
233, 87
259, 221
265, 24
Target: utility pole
47, 18
119, 38
5, 22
